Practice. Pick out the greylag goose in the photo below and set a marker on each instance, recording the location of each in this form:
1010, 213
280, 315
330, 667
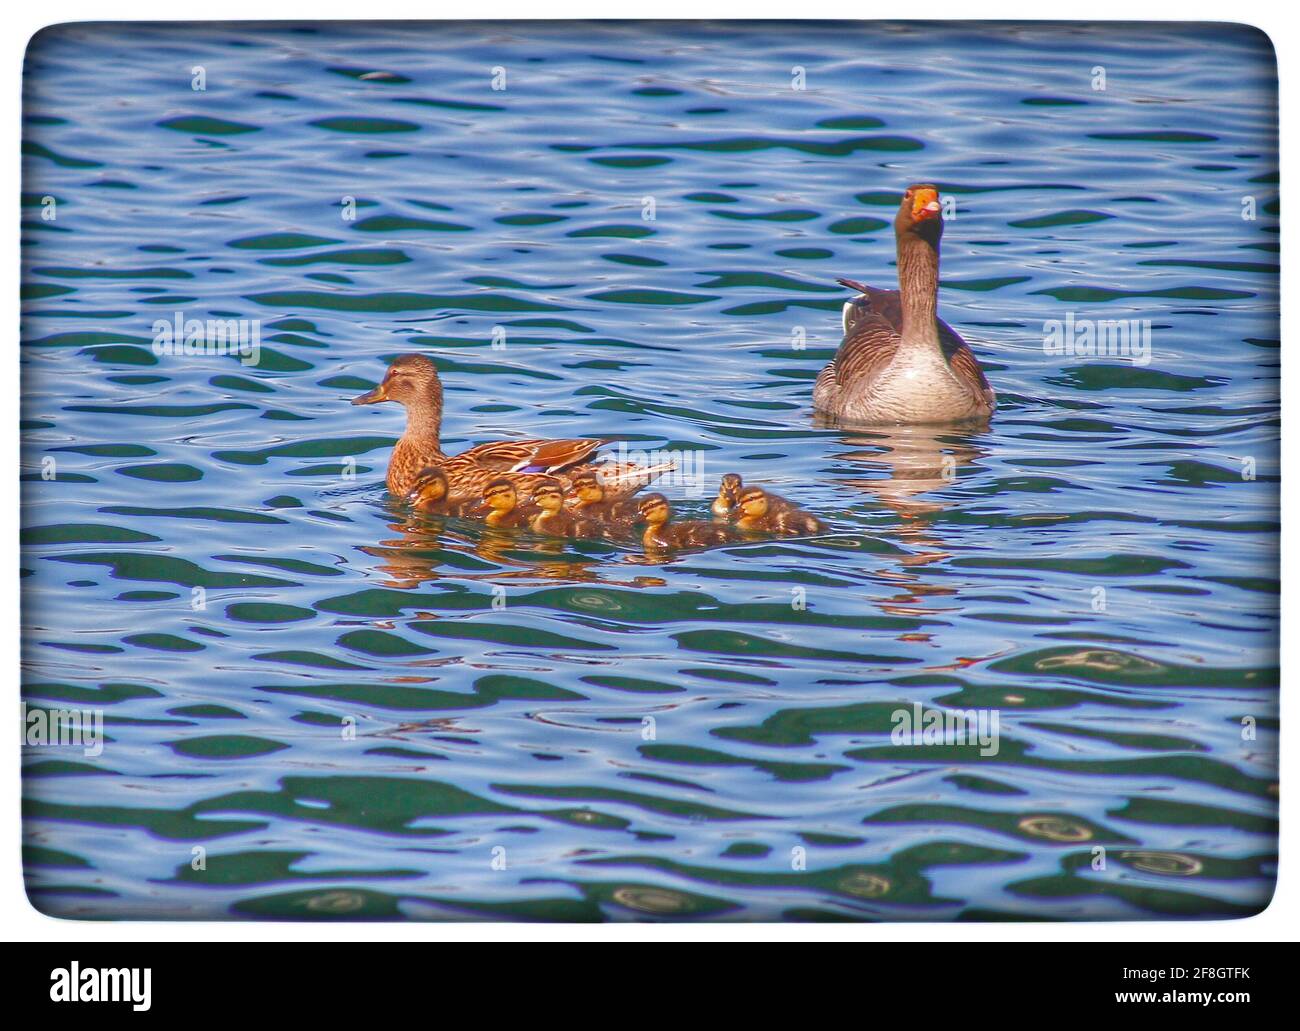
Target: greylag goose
899, 362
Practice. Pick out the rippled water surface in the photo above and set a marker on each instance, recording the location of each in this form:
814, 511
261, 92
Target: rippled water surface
319, 706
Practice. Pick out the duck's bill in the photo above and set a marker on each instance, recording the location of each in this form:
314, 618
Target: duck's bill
371, 397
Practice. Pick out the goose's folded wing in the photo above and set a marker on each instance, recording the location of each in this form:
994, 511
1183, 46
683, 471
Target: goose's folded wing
961, 359
866, 351
869, 301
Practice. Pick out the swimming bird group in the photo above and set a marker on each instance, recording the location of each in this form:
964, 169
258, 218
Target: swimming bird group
544, 504
898, 364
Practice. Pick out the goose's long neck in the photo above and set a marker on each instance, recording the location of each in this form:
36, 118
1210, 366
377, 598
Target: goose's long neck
918, 283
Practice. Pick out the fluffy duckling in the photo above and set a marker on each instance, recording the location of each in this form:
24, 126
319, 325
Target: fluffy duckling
430, 494
592, 503
552, 517
661, 535
501, 507
728, 496
757, 512
730, 491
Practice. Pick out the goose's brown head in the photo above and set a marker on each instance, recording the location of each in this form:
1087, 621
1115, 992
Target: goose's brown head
411, 380
920, 212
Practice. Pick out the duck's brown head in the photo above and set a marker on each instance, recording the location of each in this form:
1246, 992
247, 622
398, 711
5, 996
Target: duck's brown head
501, 495
411, 380
588, 488
430, 487
549, 497
753, 502
654, 509
921, 212
729, 487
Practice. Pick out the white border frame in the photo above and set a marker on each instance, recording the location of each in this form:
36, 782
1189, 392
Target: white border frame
22, 922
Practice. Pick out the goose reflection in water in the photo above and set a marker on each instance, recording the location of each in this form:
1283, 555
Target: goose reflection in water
915, 461
911, 466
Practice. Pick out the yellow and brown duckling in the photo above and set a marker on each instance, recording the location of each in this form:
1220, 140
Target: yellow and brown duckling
501, 507
552, 517
762, 512
592, 502
661, 535
430, 493
732, 489
724, 505
412, 381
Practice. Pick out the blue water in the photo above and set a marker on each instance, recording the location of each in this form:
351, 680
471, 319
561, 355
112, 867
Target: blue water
318, 705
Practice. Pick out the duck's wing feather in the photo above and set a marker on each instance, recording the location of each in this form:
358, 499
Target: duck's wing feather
541, 456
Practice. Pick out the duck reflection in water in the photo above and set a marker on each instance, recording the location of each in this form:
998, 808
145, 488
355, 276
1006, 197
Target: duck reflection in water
419, 554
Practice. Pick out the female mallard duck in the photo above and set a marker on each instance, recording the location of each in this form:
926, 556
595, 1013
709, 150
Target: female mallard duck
758, 512
899, 362
728, 495
661, 535
412, 381
553, 518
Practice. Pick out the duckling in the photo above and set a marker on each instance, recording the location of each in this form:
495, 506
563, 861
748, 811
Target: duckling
551, 516
731, 488
661, 535
430, 494
501, 505
617, 514
728, 495
757, 512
